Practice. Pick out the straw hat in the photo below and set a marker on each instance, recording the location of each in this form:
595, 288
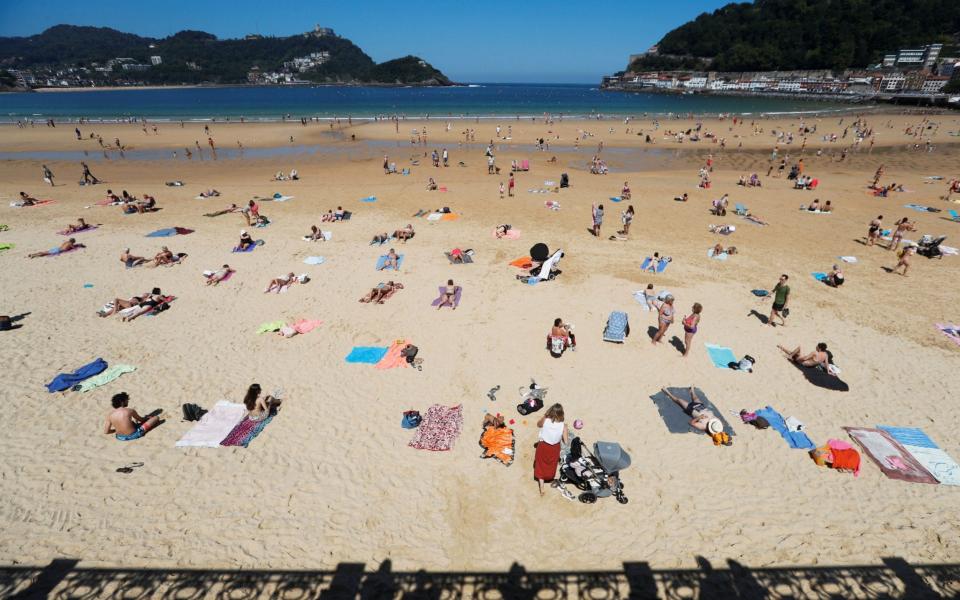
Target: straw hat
714, 426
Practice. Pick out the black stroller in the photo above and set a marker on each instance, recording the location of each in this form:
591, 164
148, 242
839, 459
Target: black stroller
596, 474
930, 247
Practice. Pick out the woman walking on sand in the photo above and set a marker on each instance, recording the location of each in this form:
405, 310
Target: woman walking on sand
597, 219
875, 230
690, 323
547, 456
626, 218
665, 318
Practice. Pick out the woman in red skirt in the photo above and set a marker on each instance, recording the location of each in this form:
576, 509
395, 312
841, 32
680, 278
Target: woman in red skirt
552, 432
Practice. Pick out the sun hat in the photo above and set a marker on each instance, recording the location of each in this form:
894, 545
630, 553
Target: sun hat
714, 426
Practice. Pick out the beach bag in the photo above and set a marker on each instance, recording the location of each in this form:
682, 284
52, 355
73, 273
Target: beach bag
411, 419
530, 405
192, 412
557, 346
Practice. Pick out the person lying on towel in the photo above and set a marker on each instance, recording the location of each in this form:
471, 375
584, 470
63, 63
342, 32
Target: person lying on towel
392, 261
125, 422
380, 293
701, 417
80, 225
404, 234
819, 358
281, 282
67, 246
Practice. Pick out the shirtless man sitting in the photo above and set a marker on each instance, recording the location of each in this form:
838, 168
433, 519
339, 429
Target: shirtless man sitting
125, 422
130, 260
148, 203
818, 358
380, 238
701, 417
380, 293
404, 234
164, 257
67, 246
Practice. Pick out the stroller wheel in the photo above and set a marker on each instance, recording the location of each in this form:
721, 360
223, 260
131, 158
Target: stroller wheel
583, 486
622, 499
588, 498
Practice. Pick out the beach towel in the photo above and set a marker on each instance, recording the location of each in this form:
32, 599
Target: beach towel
439, 429
940, 464
721, 356
921, 208
950, 330
848, 259
305, 325
327, 236
170, 231
717, 255
456, 296
210, 273
434, 216
819, 276
369, 199
954, 215
740, 210
103, 378
498, 443
250, 248
366, 354
616, 199
524, 262
245, 431
65, 381
213, 426
887, 453
271, 326
37, 203
661, 266
676, 420
278, 197
383, 259
84, 230
314, 260
449, 217
552, 204
392, 359
511, 234
7, 247
467, 259
57, 252
617, 328
798, 440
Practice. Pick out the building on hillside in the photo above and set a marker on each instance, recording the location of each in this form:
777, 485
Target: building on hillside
320, 32
889, 60
933, 84
156, 60
892, 82
134, 67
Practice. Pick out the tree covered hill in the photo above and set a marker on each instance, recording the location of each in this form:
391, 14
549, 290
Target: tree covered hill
199, 57
804, 34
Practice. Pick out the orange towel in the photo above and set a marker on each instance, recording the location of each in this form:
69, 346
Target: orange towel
450, 217
497, 442
524, 262
392, 358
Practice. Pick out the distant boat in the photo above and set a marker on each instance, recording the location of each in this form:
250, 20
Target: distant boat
954, 100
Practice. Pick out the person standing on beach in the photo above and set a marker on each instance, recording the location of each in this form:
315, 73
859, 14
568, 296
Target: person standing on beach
781, 294
386, 164
875, 230
547, 456
597, 219
501, 190
665, 318
213, 148
898, 229
627, 219
88, 177
904, 256
48, 175
446, 158
690, 324
510, 185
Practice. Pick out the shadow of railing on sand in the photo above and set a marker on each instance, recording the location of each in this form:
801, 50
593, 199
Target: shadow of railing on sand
894, 578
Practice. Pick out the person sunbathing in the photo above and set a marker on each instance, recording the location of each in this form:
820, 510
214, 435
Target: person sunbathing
80, 226
112, 198
834, 277
281, 282
392, 261
130, 260
211, 193
754, 181
820, 357
26, 200
448, 296
245, 240
380, 238
216, 277
404, 234
755, 219
328, 216
315, 234
125, 423
119, 304
380, 293
258, 408
231, 209
827, 207
279, 176
814, 206
701, 417
150, 303
682, 198
67, 246
502, 230
431, 185
164, 257
719, 249
653, 261
456, 256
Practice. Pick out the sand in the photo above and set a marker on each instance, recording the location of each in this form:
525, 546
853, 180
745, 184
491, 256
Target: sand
332, 480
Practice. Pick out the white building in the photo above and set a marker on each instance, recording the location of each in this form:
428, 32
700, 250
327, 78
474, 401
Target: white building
892, 82
934, 84
156, 60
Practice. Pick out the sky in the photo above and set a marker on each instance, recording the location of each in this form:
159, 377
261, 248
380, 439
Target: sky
562, 41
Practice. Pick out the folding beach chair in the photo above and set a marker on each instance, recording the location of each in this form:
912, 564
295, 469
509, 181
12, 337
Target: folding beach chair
617, 329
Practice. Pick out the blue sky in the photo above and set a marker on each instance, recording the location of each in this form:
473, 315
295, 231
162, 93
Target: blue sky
493, 41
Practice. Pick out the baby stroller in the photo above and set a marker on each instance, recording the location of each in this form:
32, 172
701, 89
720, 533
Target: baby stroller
930, 247
596, 474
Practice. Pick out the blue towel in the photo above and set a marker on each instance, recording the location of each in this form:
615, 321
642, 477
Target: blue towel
721, 356
819, 276
909, 436
661, 266
917, 207
383, 259
797, 440
65, 381
249, 248
163, 232
615, 198
366, 354
369, 199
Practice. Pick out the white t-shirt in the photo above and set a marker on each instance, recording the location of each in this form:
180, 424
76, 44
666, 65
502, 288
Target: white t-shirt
551, 433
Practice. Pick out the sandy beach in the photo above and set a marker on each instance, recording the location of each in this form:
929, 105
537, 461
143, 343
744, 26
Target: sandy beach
331, 479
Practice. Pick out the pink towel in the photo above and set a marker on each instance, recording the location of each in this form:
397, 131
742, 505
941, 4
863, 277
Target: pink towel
306, 326
392, 358
511, 234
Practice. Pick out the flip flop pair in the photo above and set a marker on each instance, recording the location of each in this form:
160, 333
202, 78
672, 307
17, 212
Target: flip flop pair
129, 468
